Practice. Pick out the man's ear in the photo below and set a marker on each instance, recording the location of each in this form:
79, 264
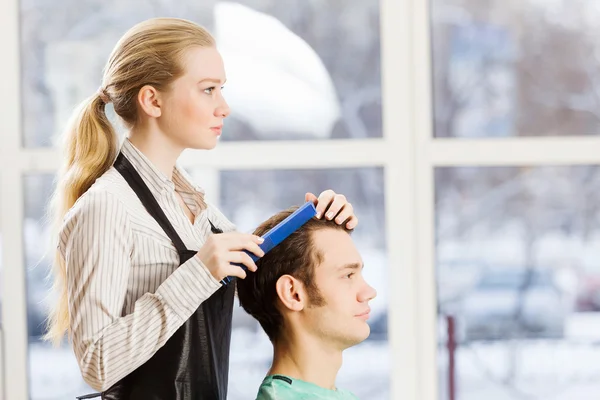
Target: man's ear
291, 293
150, 101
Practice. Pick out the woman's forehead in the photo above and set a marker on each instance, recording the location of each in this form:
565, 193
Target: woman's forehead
202, 63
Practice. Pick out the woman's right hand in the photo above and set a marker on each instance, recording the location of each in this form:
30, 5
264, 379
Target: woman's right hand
220, 251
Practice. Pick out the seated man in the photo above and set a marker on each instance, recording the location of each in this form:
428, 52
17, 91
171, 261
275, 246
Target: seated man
311, 299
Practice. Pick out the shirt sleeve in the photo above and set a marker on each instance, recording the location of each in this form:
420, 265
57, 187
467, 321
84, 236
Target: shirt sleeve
96, 243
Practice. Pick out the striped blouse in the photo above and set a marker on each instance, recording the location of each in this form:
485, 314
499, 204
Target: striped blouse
127, 292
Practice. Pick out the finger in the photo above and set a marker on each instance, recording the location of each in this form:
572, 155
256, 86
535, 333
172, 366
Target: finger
248, 243
325, 198
255, 249
236, 236
241, 257
339, 201
241, 241
235, 270
352, 222
345, 213
310, 197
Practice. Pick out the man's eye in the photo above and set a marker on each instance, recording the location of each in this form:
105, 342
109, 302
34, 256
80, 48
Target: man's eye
209, 90
350, 275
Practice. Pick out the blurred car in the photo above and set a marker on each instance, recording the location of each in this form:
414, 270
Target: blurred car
509, 303
379, 327
588, 298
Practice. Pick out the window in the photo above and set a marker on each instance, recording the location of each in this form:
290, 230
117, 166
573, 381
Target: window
518, 272
495, 74
292, 69
503, 68
297, 99
508, 222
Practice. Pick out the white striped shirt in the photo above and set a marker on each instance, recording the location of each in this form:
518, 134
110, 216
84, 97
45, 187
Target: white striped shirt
127, 295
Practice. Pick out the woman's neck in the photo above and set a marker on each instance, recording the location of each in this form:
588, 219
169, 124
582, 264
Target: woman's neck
161, 152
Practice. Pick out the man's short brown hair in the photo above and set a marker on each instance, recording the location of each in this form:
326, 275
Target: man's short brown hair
296, 256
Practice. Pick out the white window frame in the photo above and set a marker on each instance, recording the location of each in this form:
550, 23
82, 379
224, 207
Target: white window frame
407, 152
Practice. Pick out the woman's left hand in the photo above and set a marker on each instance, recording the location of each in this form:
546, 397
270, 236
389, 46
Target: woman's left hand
336, 207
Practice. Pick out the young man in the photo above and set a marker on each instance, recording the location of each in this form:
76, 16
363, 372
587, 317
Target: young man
310, 297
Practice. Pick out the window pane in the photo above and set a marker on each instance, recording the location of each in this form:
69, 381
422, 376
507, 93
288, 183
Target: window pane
515, 68
518, 269
250, 197
53, 372
296, 70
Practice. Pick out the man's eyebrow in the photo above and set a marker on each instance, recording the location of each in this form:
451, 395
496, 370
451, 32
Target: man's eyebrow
352, 266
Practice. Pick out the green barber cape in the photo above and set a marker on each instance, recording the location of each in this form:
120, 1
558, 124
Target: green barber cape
281, 387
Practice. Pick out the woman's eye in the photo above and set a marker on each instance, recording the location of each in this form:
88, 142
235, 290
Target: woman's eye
211, 89
350, 275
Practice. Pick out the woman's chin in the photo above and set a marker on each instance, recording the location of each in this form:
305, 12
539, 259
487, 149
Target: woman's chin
204, 144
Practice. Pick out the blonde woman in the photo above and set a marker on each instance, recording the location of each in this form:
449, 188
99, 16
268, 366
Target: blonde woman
141, 255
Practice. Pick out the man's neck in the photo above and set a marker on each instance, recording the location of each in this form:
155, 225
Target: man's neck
308, 359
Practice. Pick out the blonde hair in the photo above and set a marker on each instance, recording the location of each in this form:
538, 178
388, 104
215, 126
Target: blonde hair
150, 53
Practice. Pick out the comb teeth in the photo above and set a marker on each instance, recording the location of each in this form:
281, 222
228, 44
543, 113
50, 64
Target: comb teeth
280, 232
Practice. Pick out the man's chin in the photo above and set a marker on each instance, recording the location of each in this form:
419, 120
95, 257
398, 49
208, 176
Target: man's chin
366, 334
357, 337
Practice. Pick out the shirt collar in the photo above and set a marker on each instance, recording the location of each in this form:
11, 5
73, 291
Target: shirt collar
156, 181
185, 185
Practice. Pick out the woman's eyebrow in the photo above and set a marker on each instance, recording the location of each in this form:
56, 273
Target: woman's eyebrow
214, 80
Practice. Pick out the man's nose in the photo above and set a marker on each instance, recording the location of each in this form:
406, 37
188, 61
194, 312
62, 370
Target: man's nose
368, 293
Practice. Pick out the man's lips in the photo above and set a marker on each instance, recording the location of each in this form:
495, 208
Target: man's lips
365, 314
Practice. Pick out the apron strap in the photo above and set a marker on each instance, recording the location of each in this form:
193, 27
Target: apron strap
133, 178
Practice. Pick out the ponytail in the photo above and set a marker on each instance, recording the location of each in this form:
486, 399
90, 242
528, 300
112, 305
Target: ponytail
90, 148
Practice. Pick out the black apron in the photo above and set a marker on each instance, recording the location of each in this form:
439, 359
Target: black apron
194, 363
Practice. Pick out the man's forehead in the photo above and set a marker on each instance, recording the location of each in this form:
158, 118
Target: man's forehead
336, 248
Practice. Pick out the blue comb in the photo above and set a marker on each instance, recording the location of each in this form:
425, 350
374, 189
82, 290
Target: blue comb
281, 231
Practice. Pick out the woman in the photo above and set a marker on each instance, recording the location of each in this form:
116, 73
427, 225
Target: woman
141, 255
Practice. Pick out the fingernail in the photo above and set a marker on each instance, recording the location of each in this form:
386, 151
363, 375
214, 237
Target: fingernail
329, 215
260, 240
318, 215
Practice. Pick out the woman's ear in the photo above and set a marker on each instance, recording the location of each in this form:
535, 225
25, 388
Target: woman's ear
150, 101
291, 293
